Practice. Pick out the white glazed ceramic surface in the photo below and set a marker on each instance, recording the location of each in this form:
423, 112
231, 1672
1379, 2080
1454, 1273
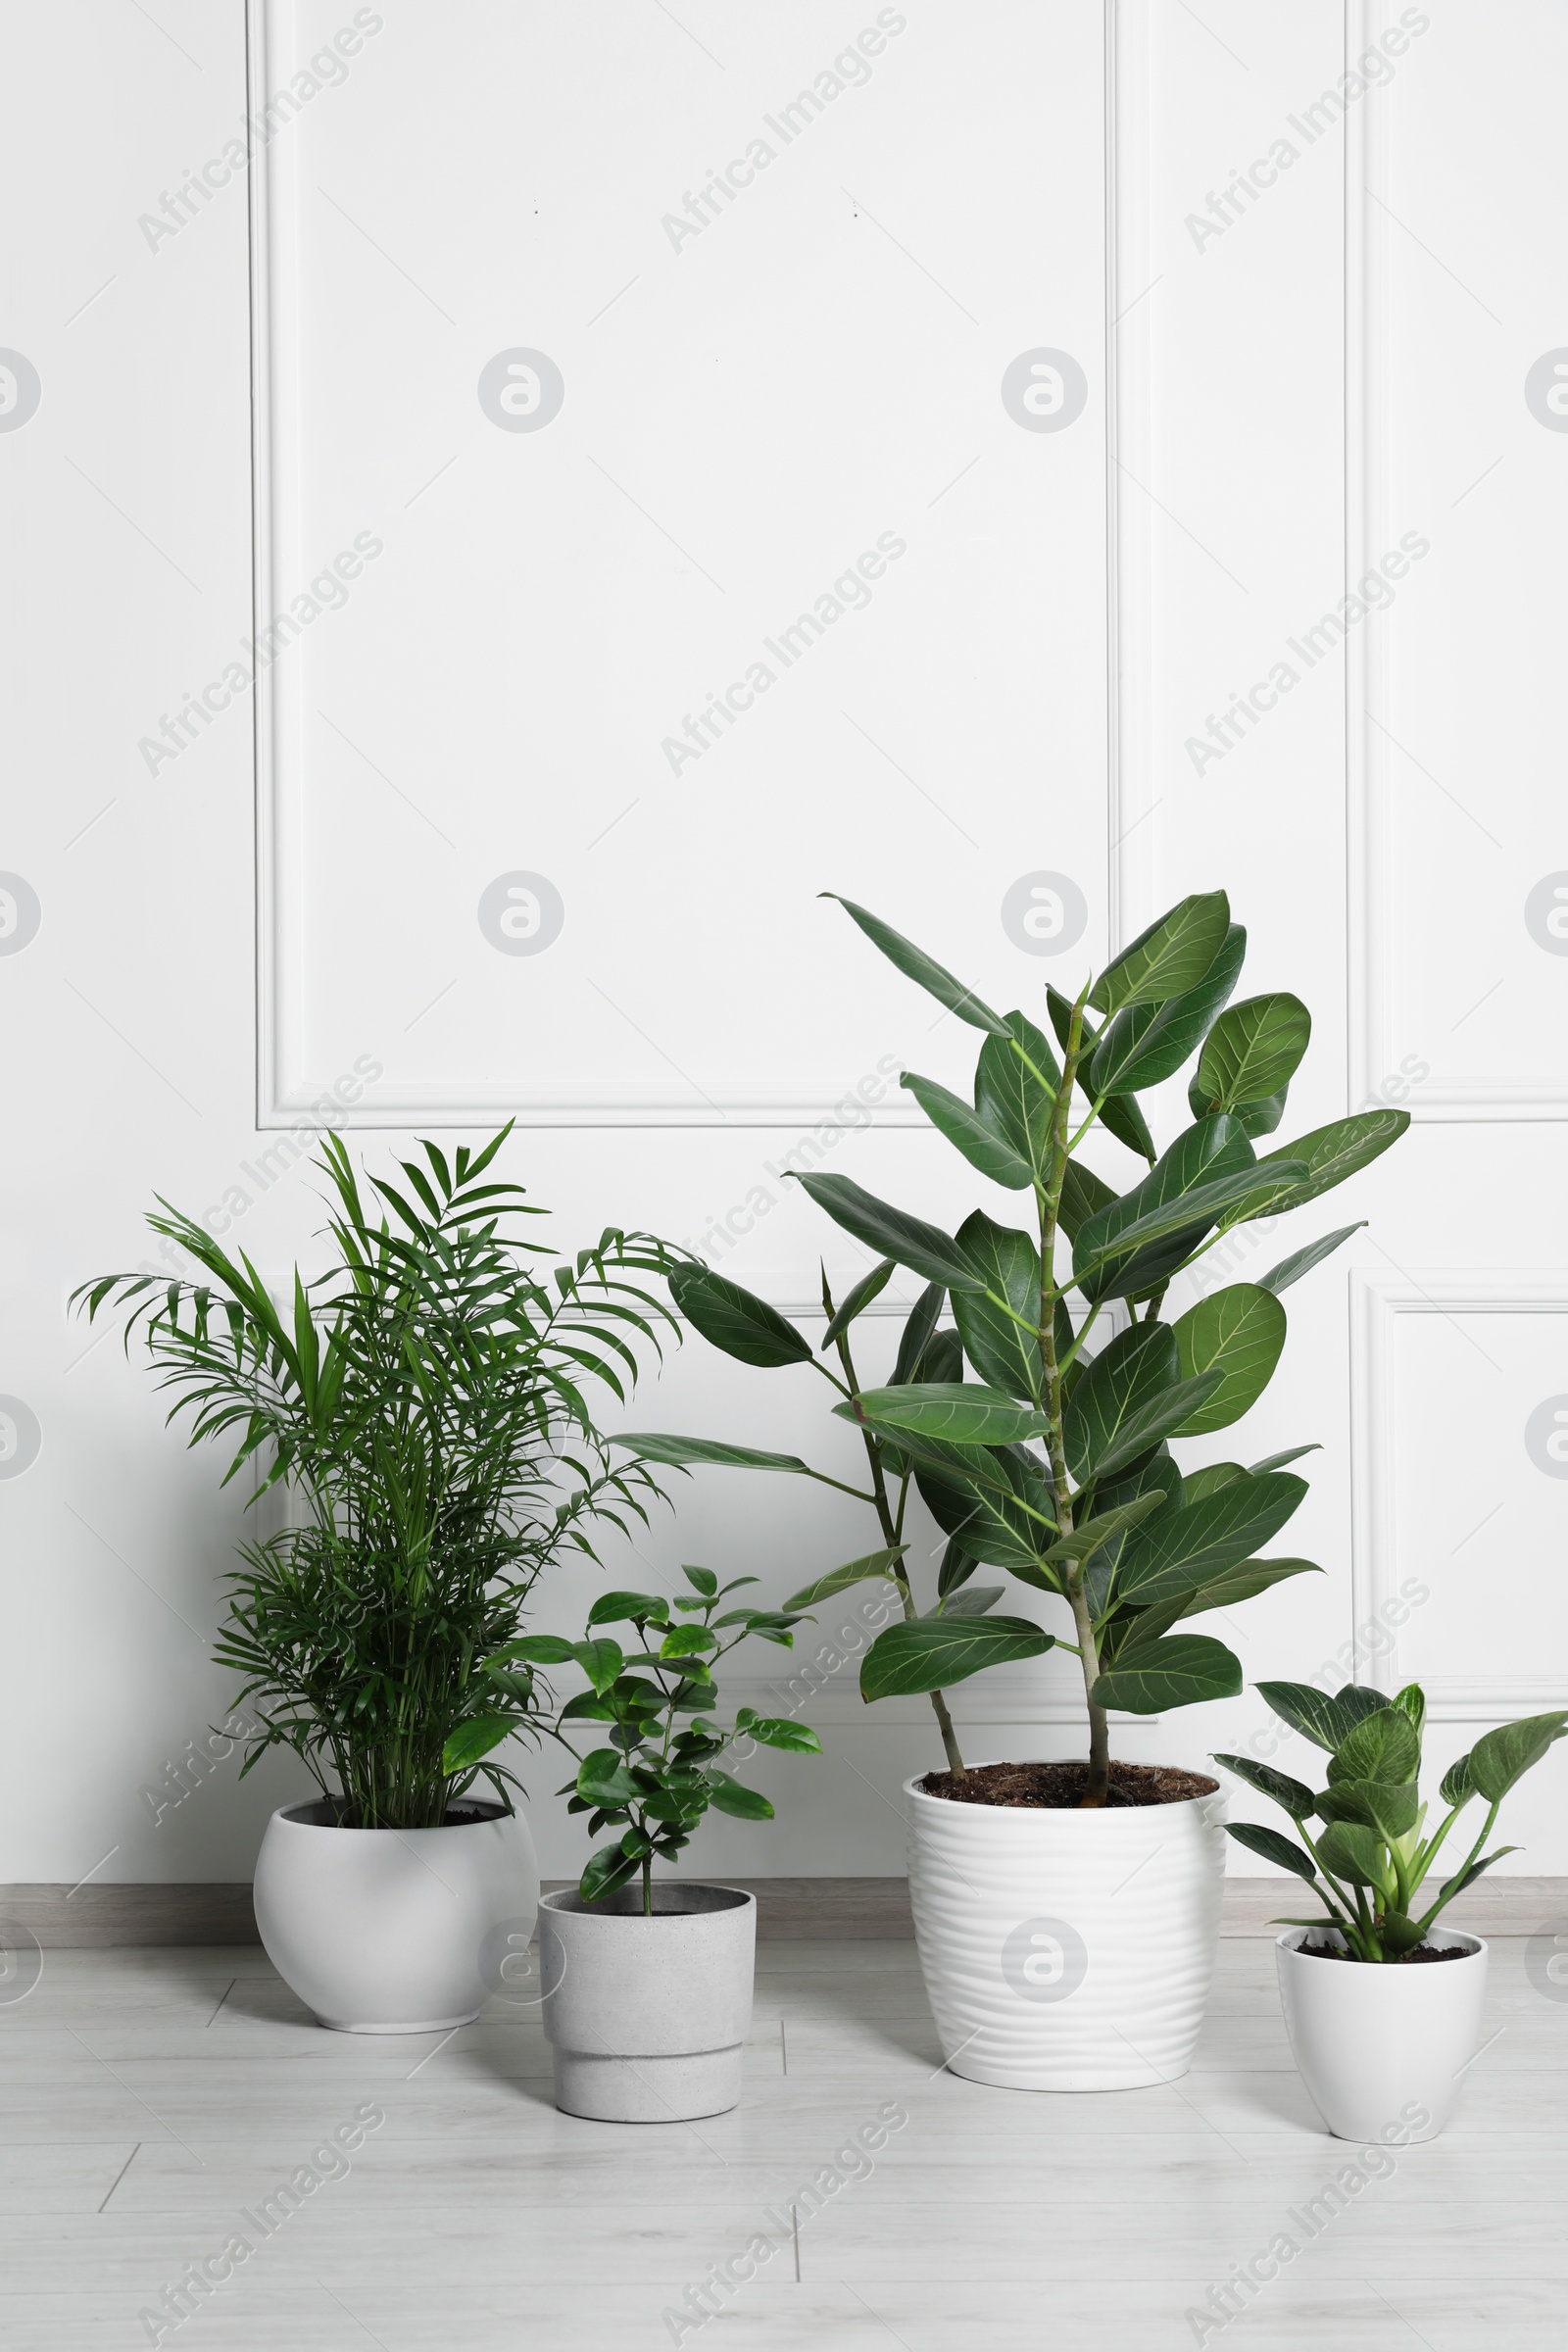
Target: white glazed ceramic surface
395, 1931
1383, 2047
1067, 1950
648, 2016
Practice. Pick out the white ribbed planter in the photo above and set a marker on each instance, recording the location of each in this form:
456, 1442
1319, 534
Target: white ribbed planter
1067, 1950
395, 1931
1382, 2047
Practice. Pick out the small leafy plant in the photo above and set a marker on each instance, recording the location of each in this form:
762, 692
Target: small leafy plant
655, 1780
1035, 1453
1369, 1860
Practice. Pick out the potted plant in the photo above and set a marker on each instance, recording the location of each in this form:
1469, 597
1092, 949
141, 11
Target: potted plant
422, 1405
647, 1983
1067, 1909
1377, 2028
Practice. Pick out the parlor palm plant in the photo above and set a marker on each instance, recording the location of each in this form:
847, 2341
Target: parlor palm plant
424, 1405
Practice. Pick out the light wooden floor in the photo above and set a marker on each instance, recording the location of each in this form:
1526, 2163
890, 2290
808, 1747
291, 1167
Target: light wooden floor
149, 2098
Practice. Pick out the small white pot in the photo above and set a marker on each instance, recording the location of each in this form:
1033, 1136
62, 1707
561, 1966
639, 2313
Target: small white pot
648, 2016
395, 1931
1070, 1949
1382, 2048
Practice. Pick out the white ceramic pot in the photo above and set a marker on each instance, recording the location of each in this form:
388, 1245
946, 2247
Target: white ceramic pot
648, 2016
395, 1931
1067, 1950
1383, 2047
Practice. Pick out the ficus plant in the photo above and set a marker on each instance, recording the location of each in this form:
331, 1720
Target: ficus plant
1369, 1859
1038, 1428
660, 1774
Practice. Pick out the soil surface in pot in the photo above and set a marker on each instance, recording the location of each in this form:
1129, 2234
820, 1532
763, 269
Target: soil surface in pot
1422, 1951
1060, 1787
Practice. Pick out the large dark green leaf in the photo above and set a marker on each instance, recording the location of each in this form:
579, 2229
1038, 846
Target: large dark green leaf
683, 1453
928, 1654
1271, 1843
1323, 1720
970, 1600
1084, 1195
1387, 1806
1140, 1364
960, 1412
1181, 1551
874, 1565
891, 1232
1179, 1670
1015, 1090
1237, 1332
1382, 1746
916, 966
1000, 1348
1352, 1853
1145, 1044
1211, 1477
1295, 1795
970, 1133
996, 1504
1120, 1116
1172, 956
1161, 1202
475, 1739
1499, 1759
1244, 1582
1301, 1261
728, 1796
744, 1326
1331, 1153
871, 1285
1252, 1050
918, 1326
1151, 1422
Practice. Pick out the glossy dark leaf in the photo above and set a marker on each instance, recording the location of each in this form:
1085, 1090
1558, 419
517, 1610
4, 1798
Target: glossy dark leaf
969, 1133
1389, 1807
1295, 1795
891, 1232
1171, 956
1143, 1044
919, 1324
1244, 1582
916, 966
1237, 1332
1330, 1154
875, 1566
958, 1412
1301, 1261
929, 1653
1382, 1746
1323, 1720
1179, 1671
1015, 1086
1180, 1551
871, 1285
744, 1326
1499, 1759
1001, 1350
1272, 1845
728, 1796
685, 1454
1254, 1049
1352, 1853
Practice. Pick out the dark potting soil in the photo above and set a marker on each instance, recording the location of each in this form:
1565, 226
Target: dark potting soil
1422, 1951
1060, 1787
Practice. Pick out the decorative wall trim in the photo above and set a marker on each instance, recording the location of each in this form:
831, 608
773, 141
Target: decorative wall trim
1130, 796
1374, 1299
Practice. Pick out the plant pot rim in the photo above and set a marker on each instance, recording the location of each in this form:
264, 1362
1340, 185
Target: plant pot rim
1029, 1813
565, 1902
293, 1817
1473, 1948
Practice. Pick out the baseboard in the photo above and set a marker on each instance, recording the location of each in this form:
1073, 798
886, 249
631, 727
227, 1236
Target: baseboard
789, 1910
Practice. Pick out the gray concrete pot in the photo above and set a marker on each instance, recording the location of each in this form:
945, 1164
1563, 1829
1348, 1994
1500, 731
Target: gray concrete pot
648, 2016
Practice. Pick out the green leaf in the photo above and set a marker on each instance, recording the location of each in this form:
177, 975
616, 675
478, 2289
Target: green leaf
606, 1870
1382, 1746
1084, 1195
918, 1326
1301, 1261
1015, 1086
1138, 1369
1087, 1539
969, 1132
1179, 1671
1272, 1847
874, 1565
870, 1287
539, 1649
1003, 1353
1252, 1050
682, 1453
1144, 1045
1330, 1154
1457, 1788
890, 1232
1172, 956
1185, 1549
613, 1607
997, 1503
742, 1325
1389, 1807
473, 1739
916, 966
600, 1661
704, 1582
1244, 1582
688, 1641
1412, 1701
1295, 1795
746, 1804
1325, 1721
1237, 1332
928, 1653
603, 1779
1181, 1195
973, 1600
1277, 1462
1472, 1871
1352, 1853
1499, 1759
1258, 1119
958, 1566
1120, 1116
960, 1412
778, 1731
1210, 1479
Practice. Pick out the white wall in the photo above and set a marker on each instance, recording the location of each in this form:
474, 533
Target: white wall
745, 412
